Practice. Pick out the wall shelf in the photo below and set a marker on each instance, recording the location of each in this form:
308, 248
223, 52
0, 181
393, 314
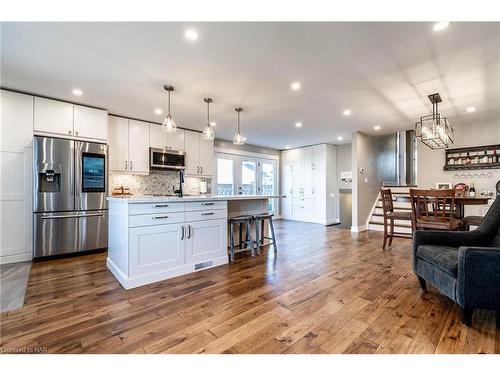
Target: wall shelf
470, 158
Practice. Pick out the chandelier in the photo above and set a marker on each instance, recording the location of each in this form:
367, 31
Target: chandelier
434, 130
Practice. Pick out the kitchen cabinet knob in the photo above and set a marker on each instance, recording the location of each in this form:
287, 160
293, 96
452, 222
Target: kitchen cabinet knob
69, 132
201, 170
131, 165
76, 132
126, 165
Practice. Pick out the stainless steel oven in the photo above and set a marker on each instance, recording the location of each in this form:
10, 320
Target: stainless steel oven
69, 199
162, 158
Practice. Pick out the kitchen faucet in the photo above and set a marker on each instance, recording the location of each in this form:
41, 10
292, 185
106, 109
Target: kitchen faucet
181, 181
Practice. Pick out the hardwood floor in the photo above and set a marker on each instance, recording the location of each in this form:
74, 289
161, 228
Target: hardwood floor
326, 291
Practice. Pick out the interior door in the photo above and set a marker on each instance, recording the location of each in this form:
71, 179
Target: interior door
225, 174
268, 181
248, 175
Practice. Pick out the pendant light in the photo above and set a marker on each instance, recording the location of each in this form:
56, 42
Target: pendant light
168, 124
208, 132
238, 138
434, 130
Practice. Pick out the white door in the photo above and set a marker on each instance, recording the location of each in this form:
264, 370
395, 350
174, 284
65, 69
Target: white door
138, 146
287, 160
90, 123
247, 175
176, 140
156, 248
206, 157
319, 156
306, 159
268, 181
118, 143
206, 240
192, 145
287, 189
52, 116
157, 137
319, 195
225, 174
298, 173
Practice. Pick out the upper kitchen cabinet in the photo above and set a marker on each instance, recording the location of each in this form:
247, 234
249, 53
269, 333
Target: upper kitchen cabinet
199, 154
52, 117
160, 139
128, 145
90, 122
17, 118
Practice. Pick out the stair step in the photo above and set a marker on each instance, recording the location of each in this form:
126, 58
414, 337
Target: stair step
396, 208
396, 225
382, 215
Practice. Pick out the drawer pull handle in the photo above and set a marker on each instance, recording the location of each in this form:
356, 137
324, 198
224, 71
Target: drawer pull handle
207, 204
160, 205
160, 217
189, 232
183, 229
207, 213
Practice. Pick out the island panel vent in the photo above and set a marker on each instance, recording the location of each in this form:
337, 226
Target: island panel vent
200, 266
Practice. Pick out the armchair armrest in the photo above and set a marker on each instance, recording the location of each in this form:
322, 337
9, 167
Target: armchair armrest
478, 277
446, 238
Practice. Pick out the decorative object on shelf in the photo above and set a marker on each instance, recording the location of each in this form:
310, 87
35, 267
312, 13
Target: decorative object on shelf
478, 157
472, 191
461, 189
208, 132
443, 185
238, 138
434, 130
168, 124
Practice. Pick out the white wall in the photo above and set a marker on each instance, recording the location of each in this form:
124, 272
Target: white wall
344, 164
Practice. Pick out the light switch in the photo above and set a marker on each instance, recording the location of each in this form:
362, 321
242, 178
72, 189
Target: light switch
366, 179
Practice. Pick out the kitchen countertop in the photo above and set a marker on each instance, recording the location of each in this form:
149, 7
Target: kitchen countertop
191, 198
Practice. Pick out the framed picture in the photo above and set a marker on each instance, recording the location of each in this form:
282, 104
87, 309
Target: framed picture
443, 185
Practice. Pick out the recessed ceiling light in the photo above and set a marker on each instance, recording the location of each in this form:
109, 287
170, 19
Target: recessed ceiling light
77, 92
439, 26
339, 138
298, 124
471, 109
191, 35
377, 127
295, 86
213, 123
346, 112
287, 147
158, 111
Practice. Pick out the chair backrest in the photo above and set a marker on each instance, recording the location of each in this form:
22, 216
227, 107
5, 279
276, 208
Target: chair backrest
490, 226
387, 203
427, 205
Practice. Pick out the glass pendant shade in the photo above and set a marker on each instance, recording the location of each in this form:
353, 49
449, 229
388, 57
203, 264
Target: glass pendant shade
238, 138
208, 132
168, 125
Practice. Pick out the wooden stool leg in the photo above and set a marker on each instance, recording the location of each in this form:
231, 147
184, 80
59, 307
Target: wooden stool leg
272, 234
385, 234
391, 236
231, 242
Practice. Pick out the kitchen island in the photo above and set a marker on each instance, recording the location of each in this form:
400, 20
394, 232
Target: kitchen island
153, 238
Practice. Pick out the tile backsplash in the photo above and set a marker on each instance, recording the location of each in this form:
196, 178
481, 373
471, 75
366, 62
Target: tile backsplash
156, 183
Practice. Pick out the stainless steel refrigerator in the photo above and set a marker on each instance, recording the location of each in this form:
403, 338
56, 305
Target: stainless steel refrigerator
69, 200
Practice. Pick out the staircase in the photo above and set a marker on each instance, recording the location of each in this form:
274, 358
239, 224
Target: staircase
401, 227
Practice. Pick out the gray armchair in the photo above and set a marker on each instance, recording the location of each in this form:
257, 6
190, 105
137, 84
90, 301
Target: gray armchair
465, 266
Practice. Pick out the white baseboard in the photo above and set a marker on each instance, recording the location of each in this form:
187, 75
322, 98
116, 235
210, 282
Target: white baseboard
359, 229
15, 258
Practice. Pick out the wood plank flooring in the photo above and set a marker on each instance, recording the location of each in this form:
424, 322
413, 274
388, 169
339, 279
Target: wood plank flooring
326, 291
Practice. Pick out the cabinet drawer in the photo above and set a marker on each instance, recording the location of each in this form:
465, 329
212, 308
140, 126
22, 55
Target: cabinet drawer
205, 205
205, 215
157, 219
156, 207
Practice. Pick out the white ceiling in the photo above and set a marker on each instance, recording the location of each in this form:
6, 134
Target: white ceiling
382, 71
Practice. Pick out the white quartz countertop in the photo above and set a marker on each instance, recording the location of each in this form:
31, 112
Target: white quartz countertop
191, 198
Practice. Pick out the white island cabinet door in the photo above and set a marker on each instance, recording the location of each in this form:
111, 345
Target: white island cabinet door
157, 137
192, 148
206, 157
155, 249
54, 117
206, 240
138, 146
90, 123
118, 143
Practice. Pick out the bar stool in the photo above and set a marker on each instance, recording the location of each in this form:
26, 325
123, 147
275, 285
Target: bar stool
247, 243
260, 236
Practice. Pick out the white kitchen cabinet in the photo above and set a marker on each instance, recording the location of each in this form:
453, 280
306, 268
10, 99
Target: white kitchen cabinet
128, 145
155, 248
199, 154
206, 240
90, 123
118, 143
16, 187
54, 117
138, 146
161, 139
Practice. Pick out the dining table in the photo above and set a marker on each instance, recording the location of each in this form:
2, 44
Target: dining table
460, 202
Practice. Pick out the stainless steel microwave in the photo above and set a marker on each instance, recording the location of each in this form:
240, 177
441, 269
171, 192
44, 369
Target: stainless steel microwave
166, 159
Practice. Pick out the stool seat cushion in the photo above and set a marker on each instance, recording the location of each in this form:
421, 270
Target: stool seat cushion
263, 216
239, 219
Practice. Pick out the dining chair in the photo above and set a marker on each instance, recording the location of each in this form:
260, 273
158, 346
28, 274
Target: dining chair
434, 209
390, 215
